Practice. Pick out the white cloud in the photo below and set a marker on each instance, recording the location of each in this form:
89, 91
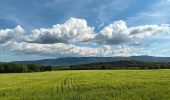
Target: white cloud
77, 31
11, 34
76, 38
115, 33
73, 30
119, 32
57, 49
122, 50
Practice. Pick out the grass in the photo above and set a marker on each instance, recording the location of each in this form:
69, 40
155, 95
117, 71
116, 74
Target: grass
87, 85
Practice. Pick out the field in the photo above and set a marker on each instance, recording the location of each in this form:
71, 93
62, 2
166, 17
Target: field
87, 85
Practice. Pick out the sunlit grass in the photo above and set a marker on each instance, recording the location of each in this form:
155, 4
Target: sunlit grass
87, 85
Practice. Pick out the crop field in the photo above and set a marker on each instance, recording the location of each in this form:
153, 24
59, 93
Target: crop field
87, 85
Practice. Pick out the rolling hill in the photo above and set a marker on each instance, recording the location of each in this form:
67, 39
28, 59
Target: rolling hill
86, 60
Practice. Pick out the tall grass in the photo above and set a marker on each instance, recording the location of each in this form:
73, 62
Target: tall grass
87, 85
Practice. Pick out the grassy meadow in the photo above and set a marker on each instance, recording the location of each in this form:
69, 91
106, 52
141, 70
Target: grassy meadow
87, 85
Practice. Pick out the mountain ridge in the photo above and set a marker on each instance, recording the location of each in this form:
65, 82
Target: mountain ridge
86, 60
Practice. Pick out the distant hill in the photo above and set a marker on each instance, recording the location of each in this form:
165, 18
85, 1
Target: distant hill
86, 60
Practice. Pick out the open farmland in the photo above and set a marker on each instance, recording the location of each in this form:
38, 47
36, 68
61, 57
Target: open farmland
87, 85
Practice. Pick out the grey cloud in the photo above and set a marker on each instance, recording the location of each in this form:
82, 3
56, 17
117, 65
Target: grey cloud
149, 30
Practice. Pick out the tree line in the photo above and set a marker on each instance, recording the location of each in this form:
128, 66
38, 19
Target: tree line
21, 68
122, 65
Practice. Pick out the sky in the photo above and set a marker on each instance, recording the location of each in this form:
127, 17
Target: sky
43, 29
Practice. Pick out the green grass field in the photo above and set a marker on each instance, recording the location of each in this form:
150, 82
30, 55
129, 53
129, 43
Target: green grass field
87, 85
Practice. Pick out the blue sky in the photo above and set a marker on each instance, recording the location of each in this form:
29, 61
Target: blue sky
45, 13
107, 28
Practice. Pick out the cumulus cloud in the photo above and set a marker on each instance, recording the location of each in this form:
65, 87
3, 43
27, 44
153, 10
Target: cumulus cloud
77, 30
76, 38
119, 32
11, 34
73, 30
115, 33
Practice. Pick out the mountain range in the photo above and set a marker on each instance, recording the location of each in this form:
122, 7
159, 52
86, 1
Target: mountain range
86, 60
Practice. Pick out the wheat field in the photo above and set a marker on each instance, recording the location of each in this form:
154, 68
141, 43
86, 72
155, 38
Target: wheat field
87, 85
